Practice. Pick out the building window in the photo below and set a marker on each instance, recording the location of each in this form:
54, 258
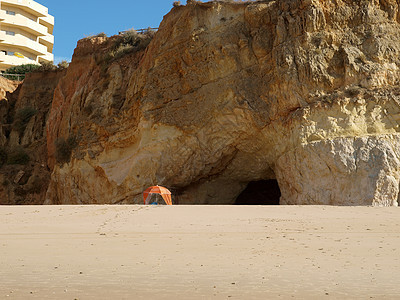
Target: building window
10, 33
10, 12
10, 53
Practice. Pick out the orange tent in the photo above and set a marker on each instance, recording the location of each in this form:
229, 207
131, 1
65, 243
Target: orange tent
165, 193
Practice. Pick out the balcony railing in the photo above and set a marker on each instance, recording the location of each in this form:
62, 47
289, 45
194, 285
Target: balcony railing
25, 23
47, 57
47, 21
28, 5
7, 61
22, 42
47, 39
17, 77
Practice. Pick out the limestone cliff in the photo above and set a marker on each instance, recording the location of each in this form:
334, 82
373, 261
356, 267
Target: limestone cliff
302, 91
24, 175
7, 86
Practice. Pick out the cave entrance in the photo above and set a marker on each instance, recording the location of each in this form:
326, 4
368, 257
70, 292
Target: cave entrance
263, 192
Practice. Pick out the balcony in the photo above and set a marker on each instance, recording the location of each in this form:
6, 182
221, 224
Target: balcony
48, 22
29, 6
46, 58
24, 23
47, 40
24, 43
7, 61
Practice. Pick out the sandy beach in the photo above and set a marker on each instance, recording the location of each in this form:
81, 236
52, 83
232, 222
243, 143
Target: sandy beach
199, 252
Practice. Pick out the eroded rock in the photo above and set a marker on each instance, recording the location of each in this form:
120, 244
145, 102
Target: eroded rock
305, 92
24, 175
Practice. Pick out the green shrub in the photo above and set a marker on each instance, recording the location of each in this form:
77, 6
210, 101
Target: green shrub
129, 37
63, 65
129, 41
121, 51
46, 66
50, 66
16, 77
22, 118
64, 149
20, 191
101, 34
20, 71
5, 182
3, 157
36, 184
17, 156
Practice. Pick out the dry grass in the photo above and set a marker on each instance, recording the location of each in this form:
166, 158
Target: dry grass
129, 42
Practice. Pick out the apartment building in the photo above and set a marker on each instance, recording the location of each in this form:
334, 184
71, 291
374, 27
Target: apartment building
26, 33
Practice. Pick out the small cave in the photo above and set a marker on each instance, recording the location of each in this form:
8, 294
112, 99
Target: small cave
263, 192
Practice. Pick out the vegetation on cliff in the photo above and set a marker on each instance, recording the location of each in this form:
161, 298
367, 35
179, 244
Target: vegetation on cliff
3, 156
64, 149
22, 117
128, 42
19, 72
17, 156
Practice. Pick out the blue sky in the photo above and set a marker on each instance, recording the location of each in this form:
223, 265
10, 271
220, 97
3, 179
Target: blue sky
76, 19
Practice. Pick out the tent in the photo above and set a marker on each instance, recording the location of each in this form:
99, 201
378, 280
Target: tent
165, 193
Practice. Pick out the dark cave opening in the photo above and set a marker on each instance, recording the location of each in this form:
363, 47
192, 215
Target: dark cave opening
263, 192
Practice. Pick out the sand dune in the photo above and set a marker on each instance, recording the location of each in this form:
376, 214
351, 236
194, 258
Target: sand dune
199, 252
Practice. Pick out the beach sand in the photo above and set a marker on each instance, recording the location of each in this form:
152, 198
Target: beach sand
199, 252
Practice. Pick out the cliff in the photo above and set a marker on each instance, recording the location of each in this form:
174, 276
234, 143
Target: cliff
6, 87
24, 175
304, 93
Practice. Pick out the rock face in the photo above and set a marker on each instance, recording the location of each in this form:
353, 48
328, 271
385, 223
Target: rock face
7, 86
301, 91
24, 176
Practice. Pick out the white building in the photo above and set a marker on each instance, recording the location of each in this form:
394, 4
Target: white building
26, 33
